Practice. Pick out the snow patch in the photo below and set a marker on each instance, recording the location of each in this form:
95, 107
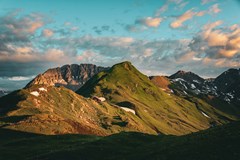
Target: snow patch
196, 81
193, 86
35, 93
230, 95
179, 79
227, 99
185, 86
42, 89
205, 114
128, 110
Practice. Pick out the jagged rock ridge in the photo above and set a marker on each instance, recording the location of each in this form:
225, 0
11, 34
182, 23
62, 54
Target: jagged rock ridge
225, 87
70, 76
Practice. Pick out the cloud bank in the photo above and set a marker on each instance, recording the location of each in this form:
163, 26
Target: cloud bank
28, 45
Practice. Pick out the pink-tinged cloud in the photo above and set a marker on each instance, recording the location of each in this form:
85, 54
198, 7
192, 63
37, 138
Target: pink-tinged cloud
55, 55
228, 53
181, 19
203, 2
161, 10
150, 21
148, 52
214, 9
19, 28
210, 26
34, 26
216, 38
220, 63
19, 57
218, 42
23, 49
190, 14
47, 33
86, 55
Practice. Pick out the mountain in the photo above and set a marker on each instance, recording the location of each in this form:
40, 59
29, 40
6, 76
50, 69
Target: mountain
161, 81
166, 113
190, 82
57, 110
225, 87
218, 143
44, 120
116, 99
3, 92
188, 76
228, 85
71, 76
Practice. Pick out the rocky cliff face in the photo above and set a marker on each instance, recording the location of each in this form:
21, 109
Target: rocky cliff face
228, 84
70, 76
188, 76
225, 87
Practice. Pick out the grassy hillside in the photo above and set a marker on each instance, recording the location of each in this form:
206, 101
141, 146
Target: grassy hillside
57, 110
166, 113
219, 143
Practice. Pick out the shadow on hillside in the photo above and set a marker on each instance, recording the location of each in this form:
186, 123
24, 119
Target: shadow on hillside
9, 102
13, 119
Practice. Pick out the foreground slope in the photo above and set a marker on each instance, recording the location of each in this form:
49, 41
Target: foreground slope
219, 143
57, 110
124, 85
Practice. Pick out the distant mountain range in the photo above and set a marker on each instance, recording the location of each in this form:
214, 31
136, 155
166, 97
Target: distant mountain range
128, 101
3, 92
225, 87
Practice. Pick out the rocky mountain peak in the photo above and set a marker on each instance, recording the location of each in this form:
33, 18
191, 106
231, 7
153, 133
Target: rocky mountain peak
182, 72
71, 76
187, 76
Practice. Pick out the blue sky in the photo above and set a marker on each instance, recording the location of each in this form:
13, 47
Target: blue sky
157, 36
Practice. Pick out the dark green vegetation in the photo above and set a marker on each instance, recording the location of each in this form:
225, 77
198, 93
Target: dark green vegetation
219, 143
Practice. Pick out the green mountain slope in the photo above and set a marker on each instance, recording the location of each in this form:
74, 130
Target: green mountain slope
218, 143
166, 113
219, 111
57, 110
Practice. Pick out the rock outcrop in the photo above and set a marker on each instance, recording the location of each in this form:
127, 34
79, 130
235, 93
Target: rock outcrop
70, 76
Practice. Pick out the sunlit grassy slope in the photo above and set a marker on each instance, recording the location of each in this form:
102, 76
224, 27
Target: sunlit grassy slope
166, 113
60, 111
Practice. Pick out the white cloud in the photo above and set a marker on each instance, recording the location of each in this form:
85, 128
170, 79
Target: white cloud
20, 78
